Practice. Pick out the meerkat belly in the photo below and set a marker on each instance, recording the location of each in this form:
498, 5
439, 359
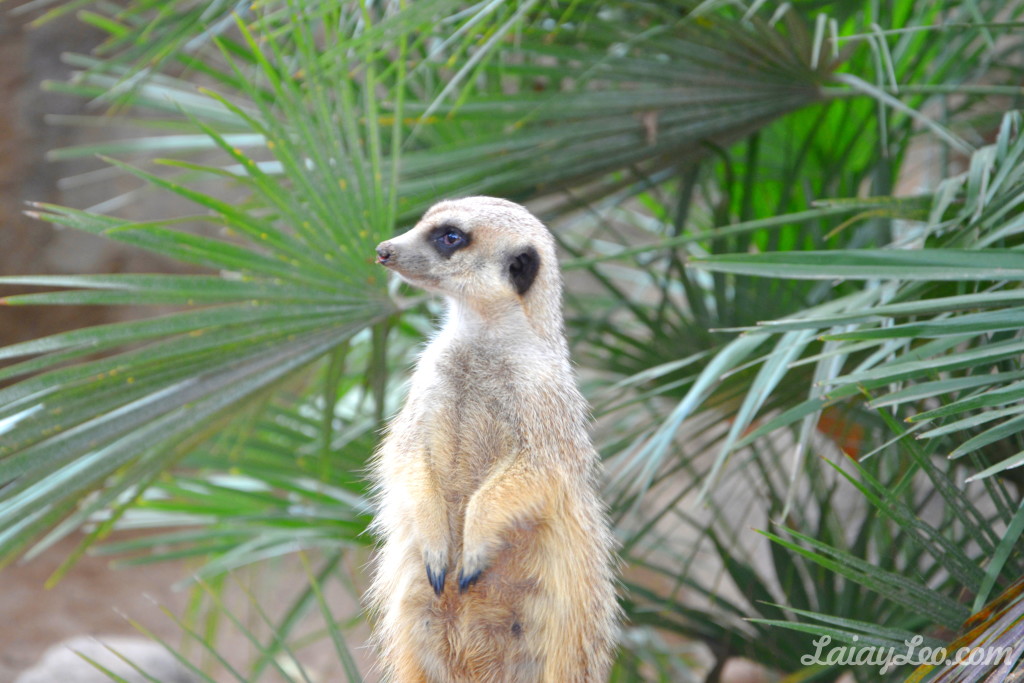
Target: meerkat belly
489, 632
486, 628
490, 628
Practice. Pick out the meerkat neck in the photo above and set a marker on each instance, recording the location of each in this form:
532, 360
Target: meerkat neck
508, 323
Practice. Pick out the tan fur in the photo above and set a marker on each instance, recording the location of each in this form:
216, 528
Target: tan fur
489, 467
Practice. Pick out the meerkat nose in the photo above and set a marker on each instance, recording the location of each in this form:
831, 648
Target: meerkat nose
384, 253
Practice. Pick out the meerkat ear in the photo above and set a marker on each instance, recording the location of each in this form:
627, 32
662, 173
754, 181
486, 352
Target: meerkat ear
522, 269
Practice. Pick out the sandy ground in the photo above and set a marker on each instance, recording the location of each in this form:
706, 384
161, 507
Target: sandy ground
90, 600
96, 600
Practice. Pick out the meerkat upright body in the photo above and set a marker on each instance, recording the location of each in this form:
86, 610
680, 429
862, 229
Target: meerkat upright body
496, 560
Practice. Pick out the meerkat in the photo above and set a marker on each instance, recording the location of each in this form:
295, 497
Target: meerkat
496, 559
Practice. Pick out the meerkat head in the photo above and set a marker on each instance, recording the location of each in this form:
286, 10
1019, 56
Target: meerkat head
486, 254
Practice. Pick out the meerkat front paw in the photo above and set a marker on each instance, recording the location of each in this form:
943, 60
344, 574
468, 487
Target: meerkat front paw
431, 532
435, 549
467, 577
475, 559
436, 562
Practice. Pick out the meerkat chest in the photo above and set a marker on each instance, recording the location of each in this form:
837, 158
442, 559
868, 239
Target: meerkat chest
471, 415
468, 413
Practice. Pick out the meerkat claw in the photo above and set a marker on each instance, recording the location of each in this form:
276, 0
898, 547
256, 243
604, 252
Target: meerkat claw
467, 580
437, 579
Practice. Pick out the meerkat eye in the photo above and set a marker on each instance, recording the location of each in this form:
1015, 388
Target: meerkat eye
448, 239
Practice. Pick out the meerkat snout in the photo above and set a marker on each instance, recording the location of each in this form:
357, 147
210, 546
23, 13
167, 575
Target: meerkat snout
384, 253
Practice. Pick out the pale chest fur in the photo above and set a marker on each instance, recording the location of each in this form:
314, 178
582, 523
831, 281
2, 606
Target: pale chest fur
474, 409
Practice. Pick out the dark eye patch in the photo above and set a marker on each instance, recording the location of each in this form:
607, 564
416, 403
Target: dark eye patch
448, 239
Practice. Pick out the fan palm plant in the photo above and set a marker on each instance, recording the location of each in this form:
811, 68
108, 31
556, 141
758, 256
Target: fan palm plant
750, 283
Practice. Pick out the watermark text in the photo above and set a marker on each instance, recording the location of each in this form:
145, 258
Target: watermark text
888, 657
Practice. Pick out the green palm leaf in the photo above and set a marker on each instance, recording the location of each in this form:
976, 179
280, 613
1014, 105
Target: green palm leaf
299, 282
660, 136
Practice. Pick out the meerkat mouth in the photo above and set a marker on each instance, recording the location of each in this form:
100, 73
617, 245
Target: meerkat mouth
421, 280
418, 280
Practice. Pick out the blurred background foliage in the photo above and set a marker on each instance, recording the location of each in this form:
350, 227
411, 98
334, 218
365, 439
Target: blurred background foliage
793, 247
